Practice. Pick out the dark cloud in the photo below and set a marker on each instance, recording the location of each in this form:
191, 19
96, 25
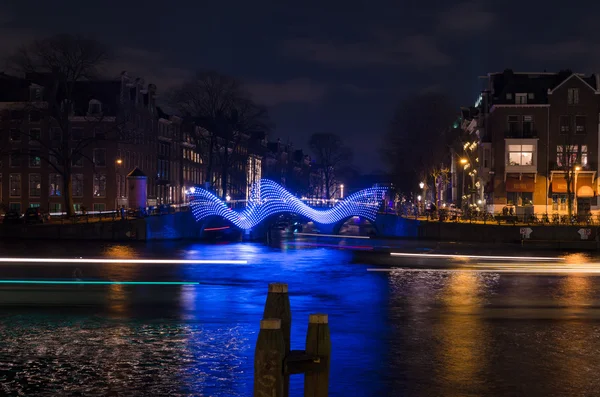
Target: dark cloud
380, 50
466, 17
301, 90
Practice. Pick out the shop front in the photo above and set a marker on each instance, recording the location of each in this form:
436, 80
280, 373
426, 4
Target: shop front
519, 195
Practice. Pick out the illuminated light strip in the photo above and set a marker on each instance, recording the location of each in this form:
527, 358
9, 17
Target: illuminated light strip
490, 257
330, 235
522, 270
268, 198
65, 282
107, 260
213, 229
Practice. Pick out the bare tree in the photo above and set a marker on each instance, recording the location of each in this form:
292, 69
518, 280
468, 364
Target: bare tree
569, 157
418, 138
330, 155
61, 62
228, 118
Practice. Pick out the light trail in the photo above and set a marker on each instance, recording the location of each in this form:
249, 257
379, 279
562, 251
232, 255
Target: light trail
548, 268
482, 257
68, 282
126, 261
331, 235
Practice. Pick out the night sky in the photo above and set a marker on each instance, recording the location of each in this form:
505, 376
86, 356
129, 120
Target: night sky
325, 66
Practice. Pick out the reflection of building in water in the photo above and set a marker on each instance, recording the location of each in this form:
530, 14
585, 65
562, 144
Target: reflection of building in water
117, 300
462, 335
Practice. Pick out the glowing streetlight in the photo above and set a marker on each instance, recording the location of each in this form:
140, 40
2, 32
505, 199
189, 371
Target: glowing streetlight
119, 161
421, 185
419, 197
227, 198
464, 161
342, 191
578, 168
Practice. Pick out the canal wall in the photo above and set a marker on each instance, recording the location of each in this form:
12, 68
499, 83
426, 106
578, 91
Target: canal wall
108, 230
575, 236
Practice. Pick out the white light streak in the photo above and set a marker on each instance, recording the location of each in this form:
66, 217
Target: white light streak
482, 257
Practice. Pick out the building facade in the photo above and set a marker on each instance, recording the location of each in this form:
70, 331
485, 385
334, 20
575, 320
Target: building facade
528, 137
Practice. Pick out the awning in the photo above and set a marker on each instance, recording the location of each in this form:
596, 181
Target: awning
585, 186
559, 185
520, 185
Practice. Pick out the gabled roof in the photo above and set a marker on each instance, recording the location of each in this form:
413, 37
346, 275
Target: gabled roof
576, 75
136, 172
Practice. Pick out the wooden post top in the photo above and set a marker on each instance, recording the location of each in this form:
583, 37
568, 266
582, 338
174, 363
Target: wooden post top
270, 323
318, 319
278, 288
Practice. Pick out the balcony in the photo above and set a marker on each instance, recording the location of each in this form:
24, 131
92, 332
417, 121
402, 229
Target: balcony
521, 155
532, 134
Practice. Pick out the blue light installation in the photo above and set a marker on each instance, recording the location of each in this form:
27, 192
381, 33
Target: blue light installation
268, 198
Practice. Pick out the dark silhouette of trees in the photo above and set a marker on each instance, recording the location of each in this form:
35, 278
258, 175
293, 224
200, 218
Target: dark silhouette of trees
417, 143
62, 62
229, 119
330, 156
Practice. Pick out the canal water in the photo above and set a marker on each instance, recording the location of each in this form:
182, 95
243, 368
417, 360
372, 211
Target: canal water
444, 326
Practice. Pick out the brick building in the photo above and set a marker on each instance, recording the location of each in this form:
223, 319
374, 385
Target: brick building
113, 121
526, 133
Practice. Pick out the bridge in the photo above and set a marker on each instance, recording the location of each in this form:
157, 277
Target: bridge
269, 200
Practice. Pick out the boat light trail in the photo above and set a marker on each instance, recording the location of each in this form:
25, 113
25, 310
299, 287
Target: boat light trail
481, 257
129, 261
540, 268
68, 282
330, 235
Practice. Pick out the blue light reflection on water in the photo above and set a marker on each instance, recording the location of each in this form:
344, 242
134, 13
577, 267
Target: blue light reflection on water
320, 280
192, 339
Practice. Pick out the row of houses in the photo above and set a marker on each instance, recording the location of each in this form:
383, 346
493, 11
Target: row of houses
531, 141
116, 126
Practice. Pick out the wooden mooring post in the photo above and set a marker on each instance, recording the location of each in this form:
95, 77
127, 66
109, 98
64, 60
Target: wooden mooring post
274, 361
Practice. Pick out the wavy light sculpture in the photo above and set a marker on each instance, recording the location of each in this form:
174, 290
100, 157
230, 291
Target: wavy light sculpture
269, 198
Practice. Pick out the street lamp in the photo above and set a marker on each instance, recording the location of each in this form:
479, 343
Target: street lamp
341, 191
119, 161
419, 198
464, 161
421, 185
228, 198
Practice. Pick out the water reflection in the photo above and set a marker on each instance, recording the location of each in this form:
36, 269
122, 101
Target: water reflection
425, 333
462, 335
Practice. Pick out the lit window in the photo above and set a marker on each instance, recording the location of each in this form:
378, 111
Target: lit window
99, 185
55, 185
571, 155
520, 154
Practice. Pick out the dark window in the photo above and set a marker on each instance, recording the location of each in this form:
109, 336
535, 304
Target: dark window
34, 159
35, 134
35, 117
565, 124
99, 133
77, 134
100, 157
16, 114
15, 159
76, 159
528, 130
573, 96
513, 125
56, 134
15, 135
580, 124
